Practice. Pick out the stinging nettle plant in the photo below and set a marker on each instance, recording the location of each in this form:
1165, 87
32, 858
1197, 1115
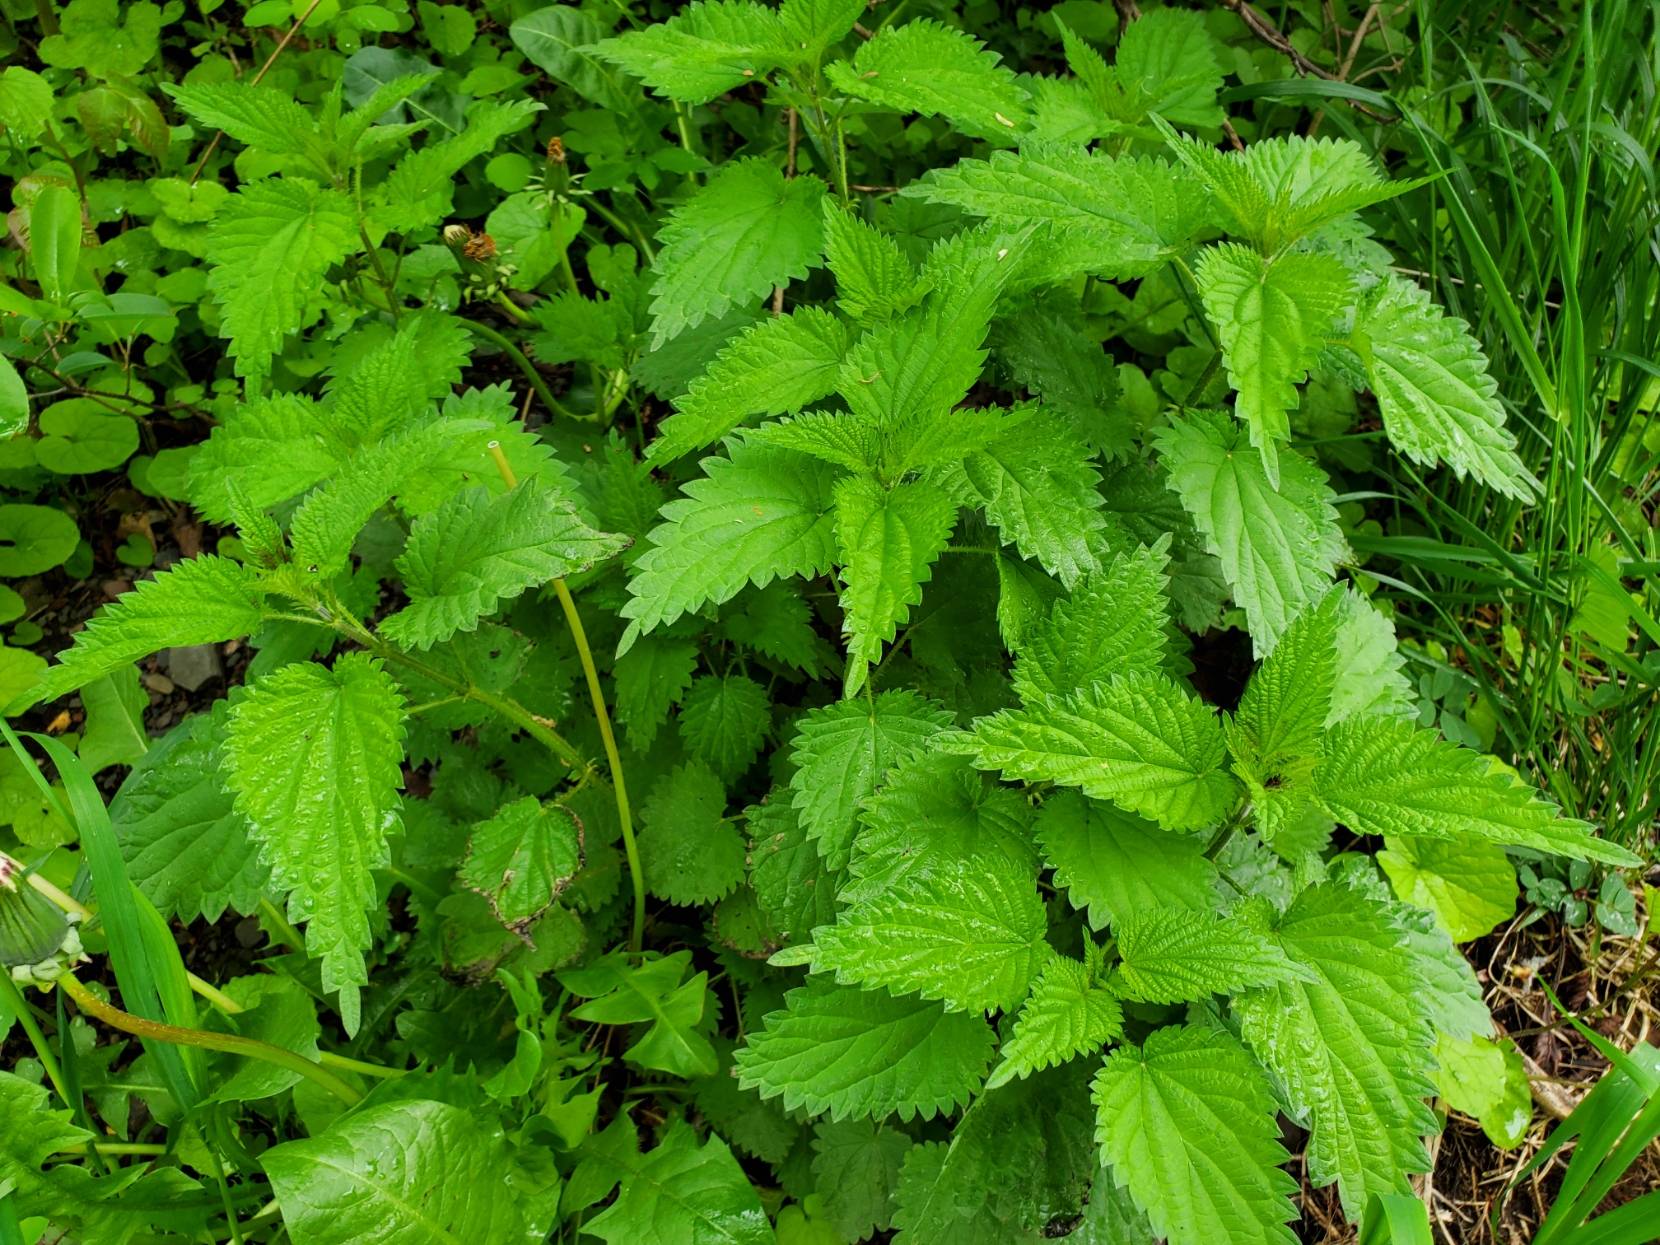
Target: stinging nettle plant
1017, 932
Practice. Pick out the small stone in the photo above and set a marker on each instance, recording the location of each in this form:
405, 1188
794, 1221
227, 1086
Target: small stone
192, 666
160, 684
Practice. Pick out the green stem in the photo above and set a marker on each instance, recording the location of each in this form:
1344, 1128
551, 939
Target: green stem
596, 694
524, 365
286, 933
248, 1048
15, 1000
116, 1147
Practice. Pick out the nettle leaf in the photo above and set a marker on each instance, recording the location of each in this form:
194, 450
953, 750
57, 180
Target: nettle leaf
186, 847
420, 1170
417, 192
1387, 776
929, 68
1047, 347
201, 600
1118, 866
1187, 1124
1016, 1161
314, 757
760, 514
703, 51
853, 1052
724, 720
1137, 740
904, 376
1039, 490
745, 231
874, 280
1116, 621
113, 1208
256, 116
272, 448
478, 550
794, 889
1166, 64
972, 937
776, 366
678, 1191
1275, 735
1439, 402
937, 813
651, 678
1279, 547
689, 852
1352, 1046
888, 540
271, 245
650, 993
1281, 189
522, 858
1067, 1014
1272, 317
856, 1166
841, 753
1120, 218
1172, 955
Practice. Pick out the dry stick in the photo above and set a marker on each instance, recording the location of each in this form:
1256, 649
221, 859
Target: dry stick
231, 1044
263, 70
789, 172
613, 759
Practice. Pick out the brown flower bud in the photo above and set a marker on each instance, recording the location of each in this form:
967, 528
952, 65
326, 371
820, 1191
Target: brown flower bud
480, 248
556, 150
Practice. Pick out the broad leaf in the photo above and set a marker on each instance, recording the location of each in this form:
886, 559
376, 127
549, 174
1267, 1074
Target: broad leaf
1138, 740
313, 755
746, 231
855, 1052
1438, 401
1351, 1046
888, 539
201, 600
1118, 866
1279, 547
841, 753
923, 66
1175, 956
778, 365
1272, 318
972, 937
405, 1172
758, 515
1186, 1122
1067, 1014
478, 550
1387, 776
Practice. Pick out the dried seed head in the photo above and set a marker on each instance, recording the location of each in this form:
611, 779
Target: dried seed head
457, 235
556, 150
480, 248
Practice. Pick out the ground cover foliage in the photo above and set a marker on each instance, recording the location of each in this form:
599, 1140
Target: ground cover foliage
732, 623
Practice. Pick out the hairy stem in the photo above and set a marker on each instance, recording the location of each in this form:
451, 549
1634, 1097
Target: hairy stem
524, 365
248, 1048
613, 758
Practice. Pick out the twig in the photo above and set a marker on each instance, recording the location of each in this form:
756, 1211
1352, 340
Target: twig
263, 70
1259, 26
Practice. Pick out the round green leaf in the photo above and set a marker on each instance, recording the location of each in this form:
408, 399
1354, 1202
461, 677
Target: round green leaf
1470, 887
20, 670
82, 437
34, 539
11, 605
509, 171
14, 400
